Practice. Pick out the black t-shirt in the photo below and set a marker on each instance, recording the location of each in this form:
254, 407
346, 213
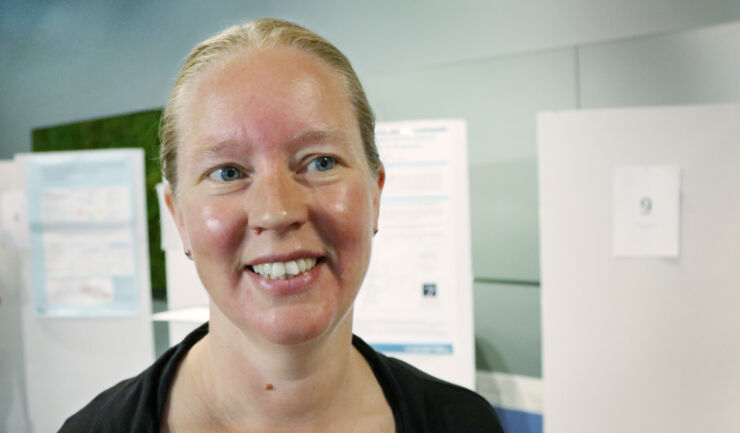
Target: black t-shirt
420, 402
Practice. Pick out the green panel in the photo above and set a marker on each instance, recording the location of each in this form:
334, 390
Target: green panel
161, 329
692, 67
504, 220
128, 130
508, 337
499, 98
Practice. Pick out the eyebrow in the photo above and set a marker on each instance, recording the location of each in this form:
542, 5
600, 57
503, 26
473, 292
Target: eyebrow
307, 137
318, 135
214, 148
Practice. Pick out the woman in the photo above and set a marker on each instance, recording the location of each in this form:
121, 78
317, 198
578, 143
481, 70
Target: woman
274, 183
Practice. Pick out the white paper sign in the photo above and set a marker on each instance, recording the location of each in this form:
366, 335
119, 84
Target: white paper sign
646, 211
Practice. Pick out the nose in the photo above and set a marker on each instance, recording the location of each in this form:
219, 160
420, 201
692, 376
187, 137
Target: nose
276, 203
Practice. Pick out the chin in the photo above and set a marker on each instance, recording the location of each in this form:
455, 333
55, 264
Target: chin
295, 325
293, 337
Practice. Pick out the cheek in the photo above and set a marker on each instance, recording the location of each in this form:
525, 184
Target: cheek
214, 228
347, 218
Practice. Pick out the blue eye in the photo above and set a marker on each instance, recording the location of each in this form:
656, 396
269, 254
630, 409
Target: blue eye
322, 163
226, 174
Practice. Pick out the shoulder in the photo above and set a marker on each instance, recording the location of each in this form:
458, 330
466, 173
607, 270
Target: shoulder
458, 409
111, 408
135, 404
422, 402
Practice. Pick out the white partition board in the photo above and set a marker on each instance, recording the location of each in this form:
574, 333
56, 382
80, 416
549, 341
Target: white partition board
69, 360
640, 344
13, 408
187, 299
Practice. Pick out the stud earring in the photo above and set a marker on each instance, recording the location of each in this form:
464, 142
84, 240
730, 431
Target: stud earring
375, 231
188, 253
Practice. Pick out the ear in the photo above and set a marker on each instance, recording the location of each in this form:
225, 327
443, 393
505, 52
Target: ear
376, 199
174, 207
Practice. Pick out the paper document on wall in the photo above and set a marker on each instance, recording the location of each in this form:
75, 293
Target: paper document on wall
415, 303
84, 213
646, 209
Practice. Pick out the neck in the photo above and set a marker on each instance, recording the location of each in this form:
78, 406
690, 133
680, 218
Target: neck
242, 381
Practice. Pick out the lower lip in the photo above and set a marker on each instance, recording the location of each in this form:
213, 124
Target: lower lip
290, 286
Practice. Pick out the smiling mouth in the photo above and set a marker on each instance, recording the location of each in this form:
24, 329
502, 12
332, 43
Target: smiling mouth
284, 270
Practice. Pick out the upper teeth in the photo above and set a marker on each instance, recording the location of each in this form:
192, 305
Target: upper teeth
283, 270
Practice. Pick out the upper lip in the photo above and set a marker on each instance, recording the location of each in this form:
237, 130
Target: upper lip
275, 258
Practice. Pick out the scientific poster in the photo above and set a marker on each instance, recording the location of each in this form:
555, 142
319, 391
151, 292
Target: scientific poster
416, 301
85, 212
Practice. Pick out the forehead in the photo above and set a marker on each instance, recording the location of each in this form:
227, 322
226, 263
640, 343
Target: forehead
265, 96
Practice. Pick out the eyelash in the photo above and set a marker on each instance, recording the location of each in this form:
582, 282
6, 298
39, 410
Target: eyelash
316, 160
218, 173
220, 170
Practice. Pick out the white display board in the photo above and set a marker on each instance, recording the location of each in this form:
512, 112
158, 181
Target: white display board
649, 342
76, 347
416, 300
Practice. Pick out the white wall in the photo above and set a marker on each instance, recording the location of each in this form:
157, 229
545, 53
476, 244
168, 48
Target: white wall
71, 60
690, 67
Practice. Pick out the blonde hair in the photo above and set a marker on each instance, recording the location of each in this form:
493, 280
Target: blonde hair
262, 33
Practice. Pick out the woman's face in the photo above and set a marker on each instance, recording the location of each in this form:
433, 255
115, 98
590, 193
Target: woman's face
275, 198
